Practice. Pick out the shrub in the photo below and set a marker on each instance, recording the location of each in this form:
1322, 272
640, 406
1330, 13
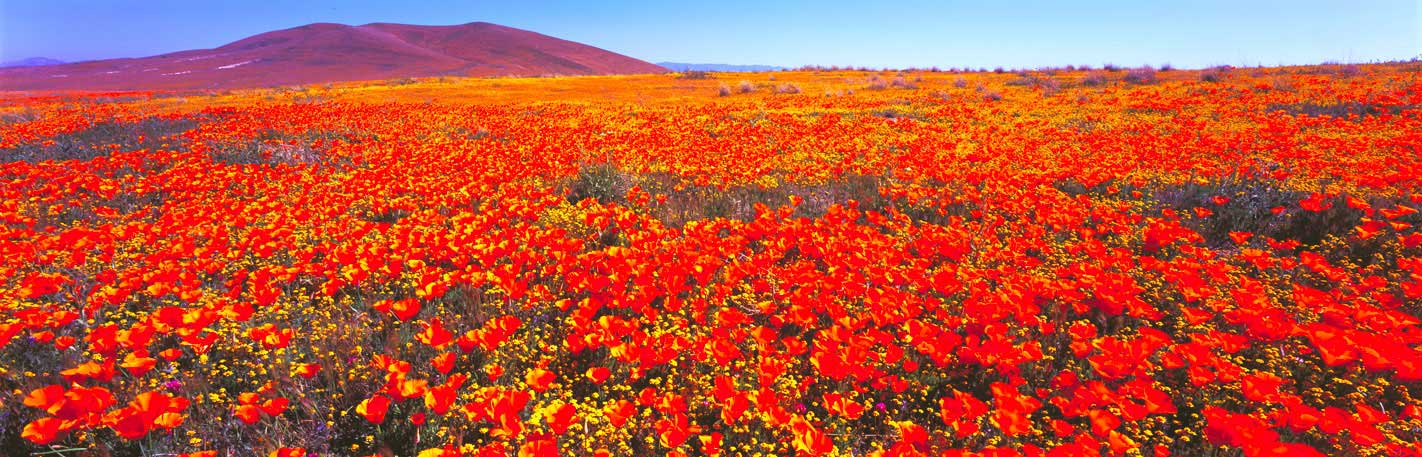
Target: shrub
700, 203
603, 182
1142, 75
960, 82
1093, 79
787, 88
694, 74
877, 83
1250, 211
103, 138
1281, 83
18, 117
901, 83
723, 91
745, 87
274, 147
1046, 84
1341, 110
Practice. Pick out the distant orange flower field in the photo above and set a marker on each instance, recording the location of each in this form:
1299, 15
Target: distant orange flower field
1056, 262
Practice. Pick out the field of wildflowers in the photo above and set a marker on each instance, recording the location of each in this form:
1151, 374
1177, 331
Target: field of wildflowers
1056, 262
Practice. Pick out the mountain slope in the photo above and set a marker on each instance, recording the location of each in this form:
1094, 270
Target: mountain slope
324, 52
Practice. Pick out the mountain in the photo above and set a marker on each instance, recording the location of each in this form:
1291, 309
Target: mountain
679, 66
31, 62
324, 52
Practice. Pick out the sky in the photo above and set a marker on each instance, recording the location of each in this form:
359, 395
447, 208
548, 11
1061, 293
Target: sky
875, 34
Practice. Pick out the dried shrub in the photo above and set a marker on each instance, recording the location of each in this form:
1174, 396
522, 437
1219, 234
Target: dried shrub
103, 138
1142, 75
1281, 83
1341, 110
17, 117
699, 203
602, 182
1046, 84
694, 75
900, 82
272, 147
1214, 74
1251, 209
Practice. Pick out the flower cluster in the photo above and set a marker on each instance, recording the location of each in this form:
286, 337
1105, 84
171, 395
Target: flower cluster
643, 266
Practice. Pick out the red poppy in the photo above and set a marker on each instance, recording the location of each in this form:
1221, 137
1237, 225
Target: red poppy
373, 409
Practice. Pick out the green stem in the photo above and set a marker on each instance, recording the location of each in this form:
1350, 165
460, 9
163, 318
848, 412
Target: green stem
60, 451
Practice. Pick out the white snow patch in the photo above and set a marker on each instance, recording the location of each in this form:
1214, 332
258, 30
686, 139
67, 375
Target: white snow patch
178, 73
110, 72
235, 65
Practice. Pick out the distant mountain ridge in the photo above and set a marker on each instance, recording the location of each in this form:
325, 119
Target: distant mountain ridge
324, 52
680, 66
31, 62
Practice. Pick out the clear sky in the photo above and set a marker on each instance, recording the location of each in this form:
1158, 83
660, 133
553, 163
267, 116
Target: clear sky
872, 33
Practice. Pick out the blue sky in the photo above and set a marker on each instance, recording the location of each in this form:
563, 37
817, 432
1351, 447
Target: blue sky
893, 33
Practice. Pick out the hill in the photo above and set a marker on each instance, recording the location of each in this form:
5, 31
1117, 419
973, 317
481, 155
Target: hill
31, 62
326, 52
